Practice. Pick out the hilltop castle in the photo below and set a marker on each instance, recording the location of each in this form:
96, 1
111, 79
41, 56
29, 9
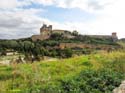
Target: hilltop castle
47, 31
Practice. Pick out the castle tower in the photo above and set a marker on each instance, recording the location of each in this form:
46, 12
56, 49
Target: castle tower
45, 31
114, 36
50, 27
43, 28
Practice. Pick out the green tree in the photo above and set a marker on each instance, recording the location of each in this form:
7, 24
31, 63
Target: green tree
67, 52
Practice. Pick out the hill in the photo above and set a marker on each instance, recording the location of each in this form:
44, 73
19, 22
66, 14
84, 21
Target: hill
123, 40
58, 44
61, 62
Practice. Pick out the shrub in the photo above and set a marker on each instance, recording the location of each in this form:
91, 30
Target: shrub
90, 81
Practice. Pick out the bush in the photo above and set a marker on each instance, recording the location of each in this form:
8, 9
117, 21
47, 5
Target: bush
87, 64
90, 81
66, 53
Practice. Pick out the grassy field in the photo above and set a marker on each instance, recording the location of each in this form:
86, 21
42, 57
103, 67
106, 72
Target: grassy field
94, 73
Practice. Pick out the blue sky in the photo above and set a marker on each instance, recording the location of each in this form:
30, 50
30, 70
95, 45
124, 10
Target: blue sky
23, 18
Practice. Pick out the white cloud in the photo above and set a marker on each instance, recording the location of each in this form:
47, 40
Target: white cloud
109, 19
112, 19
44, 2
8, 4
18, 22
86, 5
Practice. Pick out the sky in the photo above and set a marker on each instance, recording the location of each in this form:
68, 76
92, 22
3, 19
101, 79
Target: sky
23, 18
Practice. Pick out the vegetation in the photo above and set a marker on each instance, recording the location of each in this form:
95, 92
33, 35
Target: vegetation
36, 50
93, 73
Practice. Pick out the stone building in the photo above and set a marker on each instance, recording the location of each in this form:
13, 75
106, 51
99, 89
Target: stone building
47, 31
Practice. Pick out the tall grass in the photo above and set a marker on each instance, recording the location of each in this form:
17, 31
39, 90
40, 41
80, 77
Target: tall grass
54, 76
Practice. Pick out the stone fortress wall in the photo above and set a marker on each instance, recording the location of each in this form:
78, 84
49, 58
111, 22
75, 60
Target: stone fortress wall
47, 31
87, 46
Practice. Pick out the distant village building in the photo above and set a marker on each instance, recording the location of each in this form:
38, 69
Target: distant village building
46, 32
9, 53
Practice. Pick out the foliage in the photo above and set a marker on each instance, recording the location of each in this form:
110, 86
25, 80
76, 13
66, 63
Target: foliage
94, 73
50, 47
102, 81
67, 53
56, 36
